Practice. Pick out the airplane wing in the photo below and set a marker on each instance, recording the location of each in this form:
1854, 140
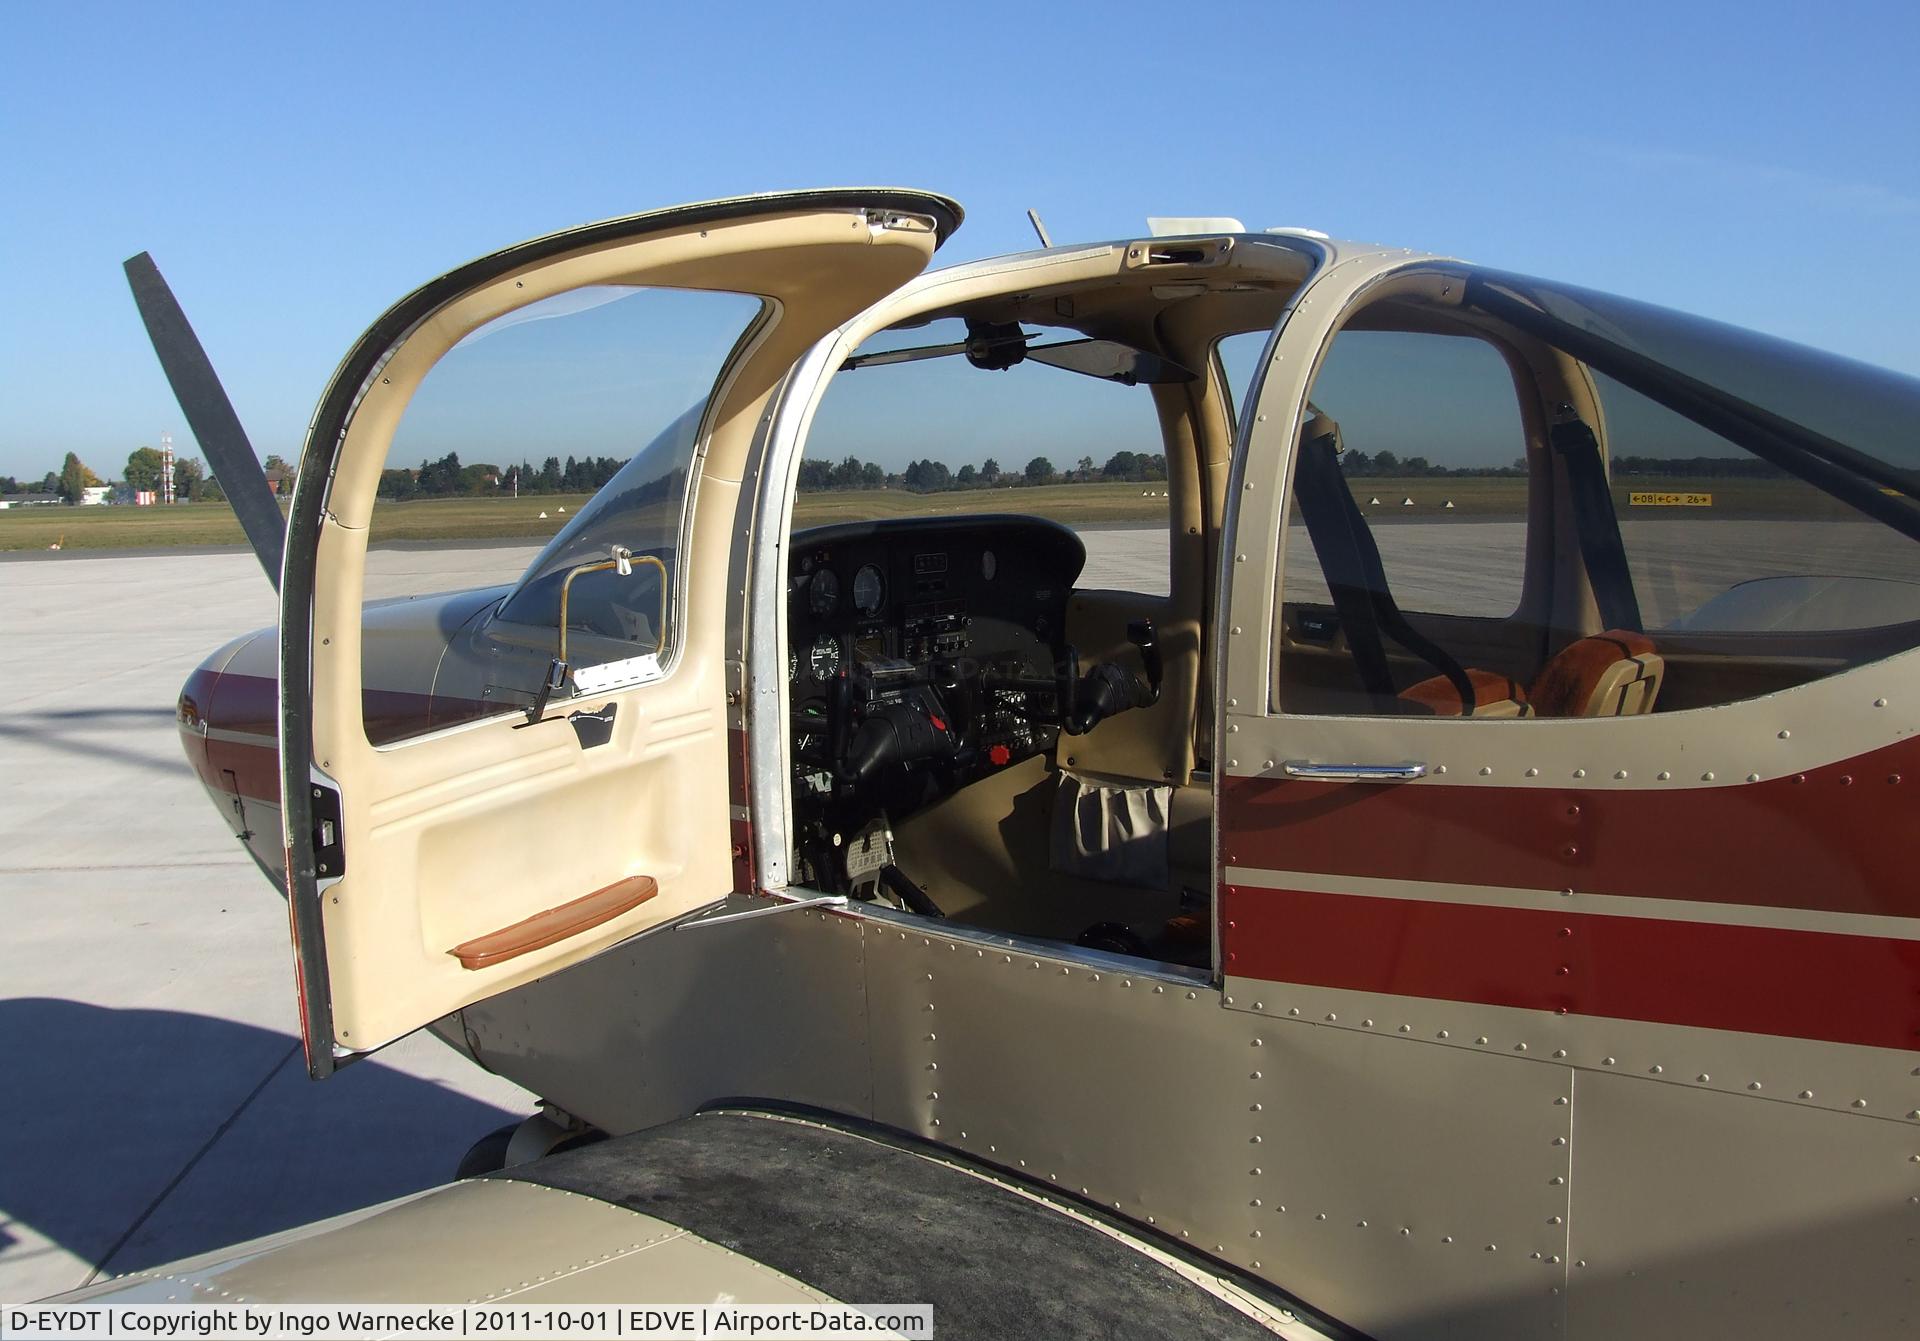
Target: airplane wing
750, 1208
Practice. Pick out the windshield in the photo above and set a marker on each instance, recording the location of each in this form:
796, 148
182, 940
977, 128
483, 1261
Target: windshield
640, 509
1850, 429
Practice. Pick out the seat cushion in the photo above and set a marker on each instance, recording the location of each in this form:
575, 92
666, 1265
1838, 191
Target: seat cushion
1611, 674
1494, 695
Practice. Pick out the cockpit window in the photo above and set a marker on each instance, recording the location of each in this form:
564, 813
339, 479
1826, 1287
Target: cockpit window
549, 439
958, 417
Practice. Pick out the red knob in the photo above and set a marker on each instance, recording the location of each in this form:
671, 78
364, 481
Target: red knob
1000, 755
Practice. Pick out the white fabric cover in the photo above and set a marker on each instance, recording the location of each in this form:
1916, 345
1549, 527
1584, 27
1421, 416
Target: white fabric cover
1111, 831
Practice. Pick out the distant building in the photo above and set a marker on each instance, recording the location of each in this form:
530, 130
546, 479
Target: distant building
276, 477
94, 495
33, 500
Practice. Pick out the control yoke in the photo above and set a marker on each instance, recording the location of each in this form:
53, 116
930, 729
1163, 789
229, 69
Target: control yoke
1110, 688
883, 733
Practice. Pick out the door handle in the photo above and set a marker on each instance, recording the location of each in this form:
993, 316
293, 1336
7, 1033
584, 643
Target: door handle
1302, 768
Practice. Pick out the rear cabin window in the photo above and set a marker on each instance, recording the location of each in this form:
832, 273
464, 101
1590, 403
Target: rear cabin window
1432, 435
1720, 541
1744, 511
1435, 460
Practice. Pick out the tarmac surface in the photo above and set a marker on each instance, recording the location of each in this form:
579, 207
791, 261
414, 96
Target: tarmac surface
153, 1082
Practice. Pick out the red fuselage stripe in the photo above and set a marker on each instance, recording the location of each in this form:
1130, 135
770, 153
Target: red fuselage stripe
1764, 980
1835, 839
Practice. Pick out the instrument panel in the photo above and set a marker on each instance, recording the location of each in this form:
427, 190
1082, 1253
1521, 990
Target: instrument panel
960, 619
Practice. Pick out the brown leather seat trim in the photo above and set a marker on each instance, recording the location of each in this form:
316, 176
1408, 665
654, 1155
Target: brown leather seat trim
1565, 683
1439, 696
556, 924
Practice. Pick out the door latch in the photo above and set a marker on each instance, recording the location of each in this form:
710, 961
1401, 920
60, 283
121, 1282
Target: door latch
329, 853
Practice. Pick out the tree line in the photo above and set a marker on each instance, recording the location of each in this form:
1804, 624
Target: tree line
928, 476
448, 478
1707, 467
1383, 463
144, 469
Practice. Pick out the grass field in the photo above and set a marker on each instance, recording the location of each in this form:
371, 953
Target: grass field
1073, 504
520, 519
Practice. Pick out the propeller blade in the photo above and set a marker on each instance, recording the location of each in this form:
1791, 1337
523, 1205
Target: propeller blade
209, 414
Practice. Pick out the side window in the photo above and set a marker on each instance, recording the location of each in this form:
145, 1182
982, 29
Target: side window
1411, 479
539, 446
1744, 512
1435, 458
1749, 580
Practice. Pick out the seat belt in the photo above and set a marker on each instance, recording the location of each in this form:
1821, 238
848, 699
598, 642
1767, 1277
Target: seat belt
1596, 521
1356, 577
1318, 484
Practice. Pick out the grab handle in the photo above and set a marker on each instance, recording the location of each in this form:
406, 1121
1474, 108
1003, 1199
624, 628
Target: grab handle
1302, 768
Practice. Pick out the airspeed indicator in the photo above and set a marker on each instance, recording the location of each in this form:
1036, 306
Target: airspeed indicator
825, 658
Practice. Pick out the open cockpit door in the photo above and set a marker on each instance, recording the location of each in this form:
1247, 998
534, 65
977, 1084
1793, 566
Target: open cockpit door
481, 790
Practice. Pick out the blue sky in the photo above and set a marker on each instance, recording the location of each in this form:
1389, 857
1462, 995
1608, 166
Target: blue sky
293, 170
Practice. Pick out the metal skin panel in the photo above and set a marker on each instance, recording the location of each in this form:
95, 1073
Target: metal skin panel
1012, 1056
1760, 1068
1692, 1219
1143, 1095
677, 1018
1703, 1162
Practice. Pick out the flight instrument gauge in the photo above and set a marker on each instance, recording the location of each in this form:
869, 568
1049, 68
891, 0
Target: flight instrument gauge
868, 591
823, 593
825, 658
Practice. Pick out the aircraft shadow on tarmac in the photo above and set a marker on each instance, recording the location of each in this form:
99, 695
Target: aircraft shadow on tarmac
140, 1136
78, 731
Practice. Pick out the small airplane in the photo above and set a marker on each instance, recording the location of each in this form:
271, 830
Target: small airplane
1396, 928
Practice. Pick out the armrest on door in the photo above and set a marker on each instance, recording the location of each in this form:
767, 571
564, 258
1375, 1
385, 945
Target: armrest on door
555, 924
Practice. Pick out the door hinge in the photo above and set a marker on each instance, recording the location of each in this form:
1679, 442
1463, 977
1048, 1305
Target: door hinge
329, 855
